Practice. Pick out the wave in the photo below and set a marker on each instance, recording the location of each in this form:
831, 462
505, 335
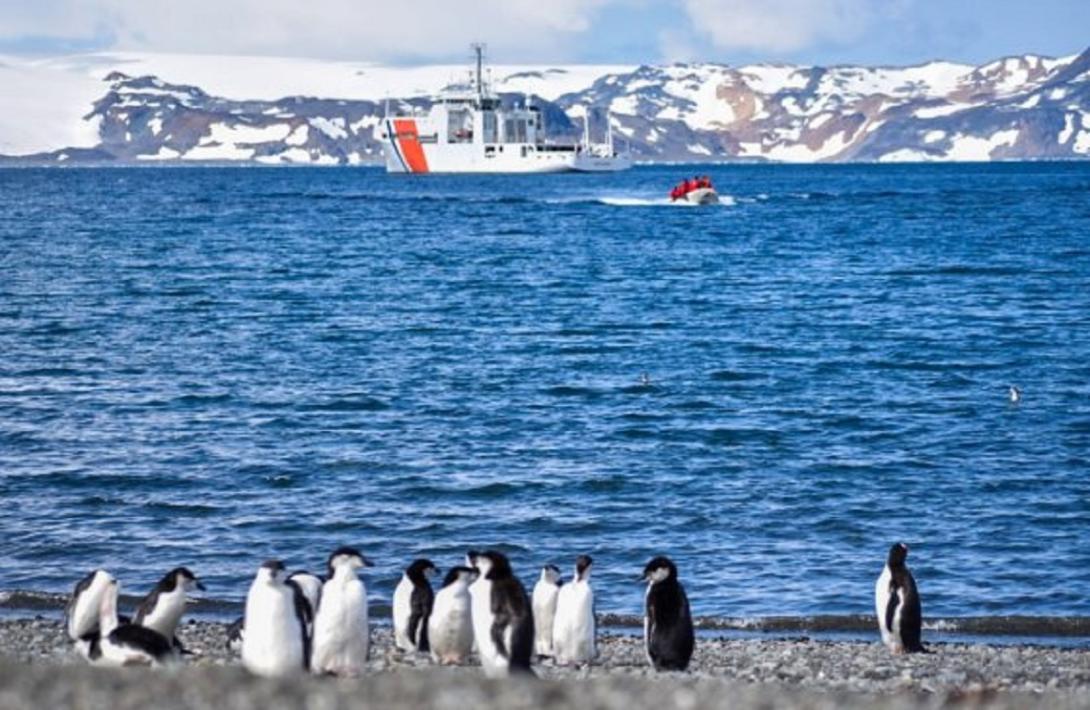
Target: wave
1024, 626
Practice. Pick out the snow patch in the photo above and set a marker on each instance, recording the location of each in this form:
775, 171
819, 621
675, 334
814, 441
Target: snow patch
933, 136
334, 128
973, 148
905, 155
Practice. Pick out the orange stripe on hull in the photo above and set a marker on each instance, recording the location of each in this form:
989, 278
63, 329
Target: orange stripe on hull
409, 142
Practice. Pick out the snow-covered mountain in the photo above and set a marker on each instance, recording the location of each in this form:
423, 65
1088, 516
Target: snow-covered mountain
155, 107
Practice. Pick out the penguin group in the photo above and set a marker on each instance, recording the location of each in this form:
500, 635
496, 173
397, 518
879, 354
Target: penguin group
300, 622
104, 637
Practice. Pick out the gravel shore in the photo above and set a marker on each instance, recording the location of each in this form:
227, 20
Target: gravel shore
39, 669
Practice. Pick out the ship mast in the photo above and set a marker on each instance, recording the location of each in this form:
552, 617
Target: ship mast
478, 50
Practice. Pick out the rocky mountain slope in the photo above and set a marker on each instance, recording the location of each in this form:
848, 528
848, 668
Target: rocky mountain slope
136, 108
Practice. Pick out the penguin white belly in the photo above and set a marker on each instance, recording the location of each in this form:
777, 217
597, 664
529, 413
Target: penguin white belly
167, 613
272, 642
573, 631
341, 633
114, 654
450, 629
544, 607
891, 634
84, 616
494, 664
402, 610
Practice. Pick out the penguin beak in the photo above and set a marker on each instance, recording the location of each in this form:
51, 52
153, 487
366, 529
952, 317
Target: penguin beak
198, 585
367, 562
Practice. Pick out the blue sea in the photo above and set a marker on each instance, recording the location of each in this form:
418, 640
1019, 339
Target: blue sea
215, 366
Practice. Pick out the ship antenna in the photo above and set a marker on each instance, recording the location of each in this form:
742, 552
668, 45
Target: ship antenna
478, 49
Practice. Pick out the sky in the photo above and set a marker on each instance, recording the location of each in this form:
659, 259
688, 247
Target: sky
875, 32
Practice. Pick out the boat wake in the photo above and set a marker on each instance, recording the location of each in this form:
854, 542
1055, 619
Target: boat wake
724, 201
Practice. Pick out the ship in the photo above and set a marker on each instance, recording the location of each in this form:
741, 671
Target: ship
469, 130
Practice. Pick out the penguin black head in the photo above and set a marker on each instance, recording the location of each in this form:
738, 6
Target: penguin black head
346, 556
183, 577
420, 570
551, 574
471, 558
493, 565
271, 570
582, 567
658, 570
465, 574
897, 555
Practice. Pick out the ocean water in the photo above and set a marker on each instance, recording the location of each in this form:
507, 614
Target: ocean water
212, 367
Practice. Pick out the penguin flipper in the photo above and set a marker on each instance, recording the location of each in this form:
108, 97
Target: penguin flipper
420, 609
891, 606
305, 615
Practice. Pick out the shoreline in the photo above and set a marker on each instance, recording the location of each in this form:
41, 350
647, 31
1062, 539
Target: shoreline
1049, 631
750, 672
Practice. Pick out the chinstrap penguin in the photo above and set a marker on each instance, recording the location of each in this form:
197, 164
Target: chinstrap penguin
897, 604
274, 636
83, 608
667, 622
544, 606
117, 644
162, 608
342, 635
574, 627
450, 628
412, 605
503, 622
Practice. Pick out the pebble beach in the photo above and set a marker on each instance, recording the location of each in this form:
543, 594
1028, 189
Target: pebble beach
38, 668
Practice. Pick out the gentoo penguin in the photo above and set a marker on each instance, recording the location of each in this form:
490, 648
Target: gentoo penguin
667, 622
413, 600
574, 627
544, 605
503, 622
342, 636
450, 628
897, 604
81, 613
162, 608
274, 638
123, 644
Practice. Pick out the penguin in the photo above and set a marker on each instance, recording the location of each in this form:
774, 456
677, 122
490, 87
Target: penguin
413, 600
81, 612
897, 604
667, 623
235, 632
503, 623
116, 644
274, 637
303, 582
1015, 395
162, 608
342, 636
450, 628
544, 606
574, 628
